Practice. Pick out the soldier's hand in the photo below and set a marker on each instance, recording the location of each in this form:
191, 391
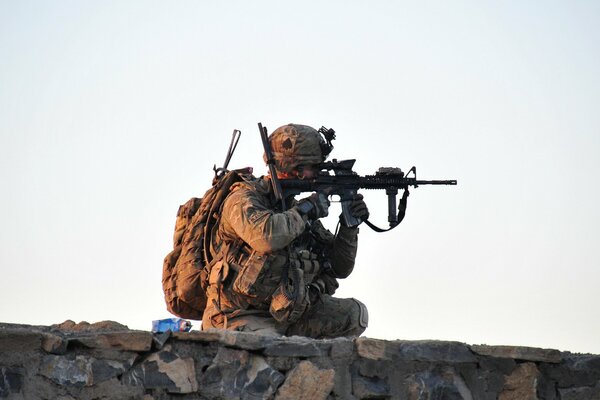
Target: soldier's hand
314, 206
330, 284
324, 284
358, 208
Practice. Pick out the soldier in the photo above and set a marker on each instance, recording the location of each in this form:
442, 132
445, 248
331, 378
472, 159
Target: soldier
277, 270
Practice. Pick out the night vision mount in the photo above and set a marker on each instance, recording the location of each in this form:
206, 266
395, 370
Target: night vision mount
329, 135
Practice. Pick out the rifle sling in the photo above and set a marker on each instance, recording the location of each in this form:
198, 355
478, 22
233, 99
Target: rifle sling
378, 229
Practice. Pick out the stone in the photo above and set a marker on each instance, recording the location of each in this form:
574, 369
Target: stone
546, 388
159, 339
306, 382
445, 384
377, 369
108, 326
369, 388
587, 362
54, 344
342, 381
372, 349
297, 346
104, 370
581, 393
19, 340
84, 326
433, 351
341, 348
519, 353
521, 384
112, 389
237, 374
282, 363
250, 341
575, 370
220, 380
106, 361
240, 340
80, 371
122, 341
11, 381
208, 336
164, 370
584, 369
262, 380
67, 371
486, 379
67, 325
430, 351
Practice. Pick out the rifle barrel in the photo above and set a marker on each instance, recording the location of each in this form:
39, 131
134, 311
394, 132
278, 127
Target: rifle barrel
448, 182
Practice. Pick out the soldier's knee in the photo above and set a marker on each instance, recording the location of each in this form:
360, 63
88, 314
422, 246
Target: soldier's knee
361, 318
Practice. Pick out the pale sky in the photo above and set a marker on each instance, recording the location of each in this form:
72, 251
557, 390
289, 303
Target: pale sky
112, 113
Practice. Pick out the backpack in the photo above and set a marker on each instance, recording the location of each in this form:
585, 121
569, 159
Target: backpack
187, 267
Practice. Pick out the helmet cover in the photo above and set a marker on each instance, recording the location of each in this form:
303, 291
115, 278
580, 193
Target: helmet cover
293, 145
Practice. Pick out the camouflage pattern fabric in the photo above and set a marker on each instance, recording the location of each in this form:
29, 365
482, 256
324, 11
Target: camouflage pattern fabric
248, 214
260, 243
332, 317
294, 145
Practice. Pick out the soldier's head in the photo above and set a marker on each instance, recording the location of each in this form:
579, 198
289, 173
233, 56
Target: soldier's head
297, 150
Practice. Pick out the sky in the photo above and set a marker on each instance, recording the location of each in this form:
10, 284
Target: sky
113, 113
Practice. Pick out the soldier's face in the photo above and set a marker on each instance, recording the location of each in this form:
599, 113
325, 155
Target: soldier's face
308, 171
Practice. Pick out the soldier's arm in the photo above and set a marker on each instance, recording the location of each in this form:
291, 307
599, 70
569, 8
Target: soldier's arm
343, 248
260, 227
344, 251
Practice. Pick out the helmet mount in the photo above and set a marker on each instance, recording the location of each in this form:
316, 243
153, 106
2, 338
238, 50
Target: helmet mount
329, 135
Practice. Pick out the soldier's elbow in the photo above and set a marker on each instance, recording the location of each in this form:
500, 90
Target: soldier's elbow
342, 270
267, 245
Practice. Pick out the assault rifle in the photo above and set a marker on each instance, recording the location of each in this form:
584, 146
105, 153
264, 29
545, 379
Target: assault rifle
337, 178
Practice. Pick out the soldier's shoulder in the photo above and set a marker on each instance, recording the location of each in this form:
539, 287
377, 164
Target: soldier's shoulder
251, 183
250, 187
244, 195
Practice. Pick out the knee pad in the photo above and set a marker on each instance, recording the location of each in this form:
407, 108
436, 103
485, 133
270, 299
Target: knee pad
363, 314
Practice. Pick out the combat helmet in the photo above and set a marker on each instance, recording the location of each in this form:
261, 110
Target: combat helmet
293, 145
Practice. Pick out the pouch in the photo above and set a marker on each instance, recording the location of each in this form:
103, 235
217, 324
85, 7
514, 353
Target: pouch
289, 301
249, 275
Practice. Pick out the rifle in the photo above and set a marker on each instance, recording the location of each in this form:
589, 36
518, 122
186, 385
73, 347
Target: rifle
337, 178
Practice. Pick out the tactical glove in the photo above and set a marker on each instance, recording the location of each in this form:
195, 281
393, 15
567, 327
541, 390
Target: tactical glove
358, 208
314, 206
330, 284
325, 284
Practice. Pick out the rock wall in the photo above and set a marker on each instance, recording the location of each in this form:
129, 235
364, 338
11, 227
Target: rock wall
108, 361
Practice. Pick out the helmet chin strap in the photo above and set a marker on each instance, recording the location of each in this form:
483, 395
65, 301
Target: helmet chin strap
300, 174
301, 177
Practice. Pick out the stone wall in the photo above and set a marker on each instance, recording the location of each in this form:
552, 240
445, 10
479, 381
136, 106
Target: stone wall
107, 361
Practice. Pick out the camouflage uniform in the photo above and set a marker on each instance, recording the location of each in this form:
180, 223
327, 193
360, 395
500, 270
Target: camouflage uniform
264, 251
